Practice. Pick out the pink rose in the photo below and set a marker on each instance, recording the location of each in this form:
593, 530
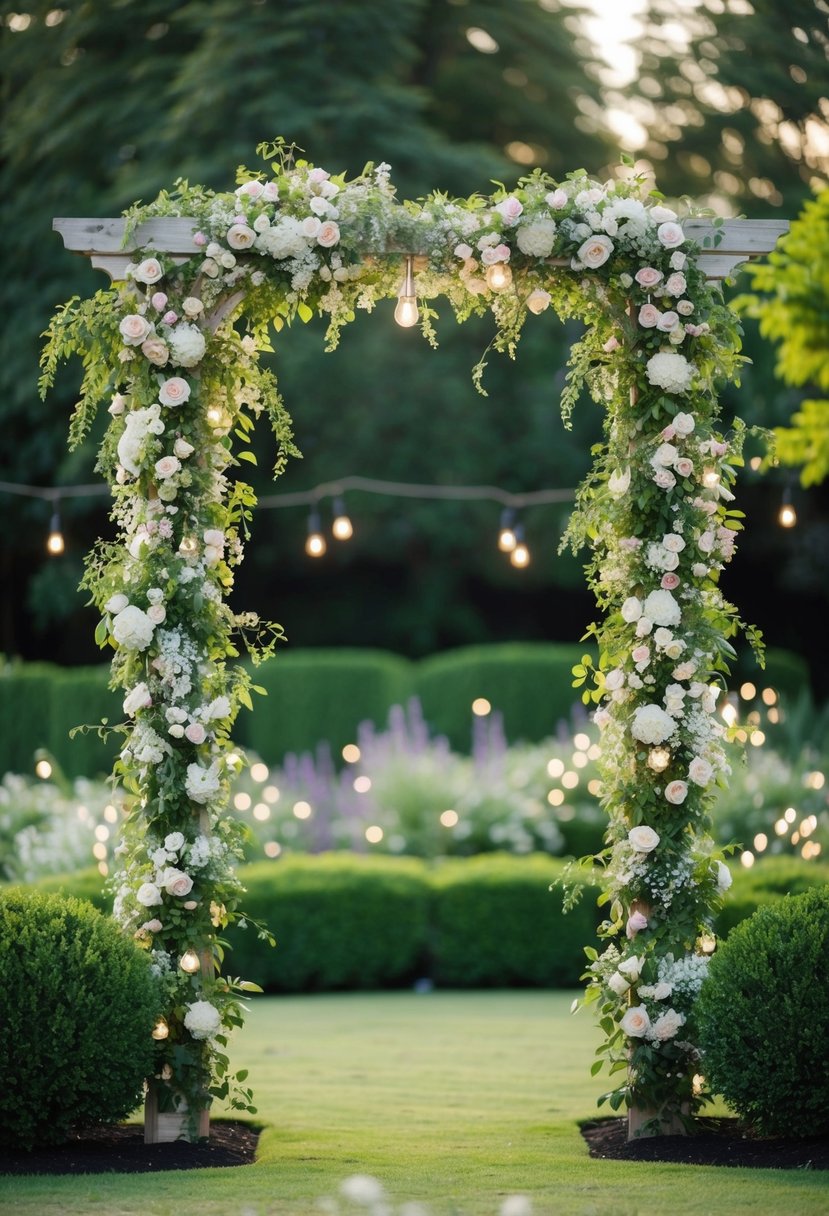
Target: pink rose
668, 434
641, 654
649, 316
648, 276
670, 235
669, 581
503, 252
195, 733
717, 448
191, 905
135, 329
155, 350
199, 239
510, 208
636, 1022
328, 235
158, 300
684, 466
556, 199
174, 391
252, 190
149, 271
176, 882
610, 345
595, 251
665, 479
169, 318
318, 175
667, 321
635, 924
676, 792
675, 284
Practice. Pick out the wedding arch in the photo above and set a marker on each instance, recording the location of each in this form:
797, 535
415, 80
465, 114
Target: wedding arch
172, 348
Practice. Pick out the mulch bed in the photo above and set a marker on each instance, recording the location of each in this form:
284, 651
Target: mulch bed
120, 1149
720, 1142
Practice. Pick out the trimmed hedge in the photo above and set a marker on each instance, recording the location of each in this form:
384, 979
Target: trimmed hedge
39, 705
497, 924
321, 695
343, 920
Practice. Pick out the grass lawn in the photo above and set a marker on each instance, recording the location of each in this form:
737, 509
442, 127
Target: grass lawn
455, 1100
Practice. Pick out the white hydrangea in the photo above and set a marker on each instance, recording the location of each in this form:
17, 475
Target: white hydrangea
132, 628
187, 345
651, 724
537, 239
202, 784
666, 1025
661, 608
283, 240
202, 1020
670, 371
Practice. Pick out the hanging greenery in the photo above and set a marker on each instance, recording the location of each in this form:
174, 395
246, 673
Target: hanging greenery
173, 354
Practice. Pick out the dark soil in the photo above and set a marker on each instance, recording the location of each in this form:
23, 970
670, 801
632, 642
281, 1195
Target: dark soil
719, 1142
120, 1149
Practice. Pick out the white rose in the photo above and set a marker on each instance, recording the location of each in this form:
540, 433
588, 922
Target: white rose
116, 603
177, 883
724, 879
643, 839
166, 467
700, 771
135, 329
137, 698
651, 724
202, 784
673, 542
157, 613
661, 607
618, 482
636, 1022
595, 251
684, 424
183, 449
174, 841
537, 239
239, 236
664, 455
132, 628
670, 234
631, 609
662, 991
148, 895
187, 345
328, 235
192, 307
219, 707
676, 792
202, 1020
618, 984
148, 271
614, 679
632, 968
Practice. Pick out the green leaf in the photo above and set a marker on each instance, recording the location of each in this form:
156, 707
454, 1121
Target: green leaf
304, 312
250, 457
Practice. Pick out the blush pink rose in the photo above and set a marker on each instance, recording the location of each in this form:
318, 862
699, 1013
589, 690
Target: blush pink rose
158, 300
669, 581
635, 924
649, 316
665, 479
328, 235
667, 321
648, 276
556, 199
676, 792
670, 235
174, 391
684, 466
239, 236
195, 733
135, 329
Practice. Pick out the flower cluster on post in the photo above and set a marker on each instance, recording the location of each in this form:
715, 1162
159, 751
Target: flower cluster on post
174, 351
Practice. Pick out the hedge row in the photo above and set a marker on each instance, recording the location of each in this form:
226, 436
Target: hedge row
354, 922
321, 695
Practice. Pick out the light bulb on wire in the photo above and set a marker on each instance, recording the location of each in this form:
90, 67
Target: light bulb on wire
520, 555
498, 276
341, 527
315, 545
506, 534
787, 516
190, 962
54, 542
406, 313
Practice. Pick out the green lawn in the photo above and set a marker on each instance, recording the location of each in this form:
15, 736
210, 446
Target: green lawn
455, 1100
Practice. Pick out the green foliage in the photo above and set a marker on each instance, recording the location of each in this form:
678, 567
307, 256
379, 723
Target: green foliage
340, 921
529, 683
497, 924
791, 302
321, 695
77, 1004
764, 1017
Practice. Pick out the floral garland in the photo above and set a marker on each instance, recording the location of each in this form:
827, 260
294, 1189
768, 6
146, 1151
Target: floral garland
181, 381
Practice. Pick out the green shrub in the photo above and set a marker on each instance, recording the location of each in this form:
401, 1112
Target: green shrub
82, 696
77, 1005
766, 883
86, 884
340, 921
497, 924
25, 714
764, 1017
321, 696
530, 683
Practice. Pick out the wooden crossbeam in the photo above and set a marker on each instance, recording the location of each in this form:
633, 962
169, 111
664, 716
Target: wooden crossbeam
102, 241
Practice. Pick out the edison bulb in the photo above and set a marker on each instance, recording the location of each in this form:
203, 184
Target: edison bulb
498, 277
189, 962
506, 540
342, 528
520, 555
406, 313
55, 544
787, 516
315, 545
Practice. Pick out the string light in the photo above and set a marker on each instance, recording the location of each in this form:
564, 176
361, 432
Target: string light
406, 313
498, 276
55, 543
161, 1030
520, 555
190, 962
315, 545
506, 535
787, 516
342, 527
658, 759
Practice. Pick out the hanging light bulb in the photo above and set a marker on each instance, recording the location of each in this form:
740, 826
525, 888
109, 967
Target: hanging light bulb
54, 541
342, 527
520, 555
161, 1030
506, 535
498, 276
190, 962
406, 312
315, 545
787, 516
658, 759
